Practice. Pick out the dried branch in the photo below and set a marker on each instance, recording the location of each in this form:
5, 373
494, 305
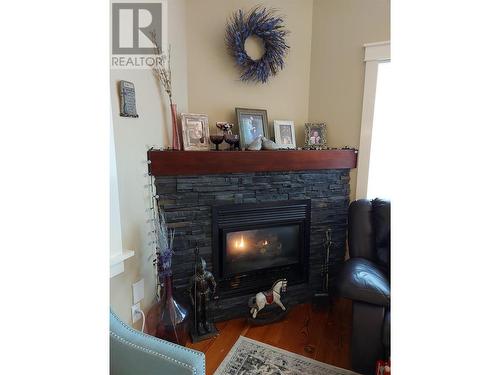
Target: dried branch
162, 72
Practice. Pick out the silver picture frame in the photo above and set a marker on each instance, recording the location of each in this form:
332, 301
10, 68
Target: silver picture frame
195, 132
252, 123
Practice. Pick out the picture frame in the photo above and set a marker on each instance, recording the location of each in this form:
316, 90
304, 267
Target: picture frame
315, 134
195, 132
284, 133
252, 123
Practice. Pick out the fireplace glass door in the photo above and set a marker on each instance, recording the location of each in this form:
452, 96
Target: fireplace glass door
255, 244
257, 249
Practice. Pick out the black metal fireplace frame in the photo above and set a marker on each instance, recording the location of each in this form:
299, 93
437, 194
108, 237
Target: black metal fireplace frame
247, 216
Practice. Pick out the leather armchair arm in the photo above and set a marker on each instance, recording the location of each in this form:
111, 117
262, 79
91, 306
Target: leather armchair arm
362, 280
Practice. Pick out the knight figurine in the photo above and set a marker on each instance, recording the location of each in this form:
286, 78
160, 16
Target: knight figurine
201, 288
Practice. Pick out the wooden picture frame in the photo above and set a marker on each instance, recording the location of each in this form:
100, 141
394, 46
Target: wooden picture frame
284, 133
252, 123
315, 135
195, 132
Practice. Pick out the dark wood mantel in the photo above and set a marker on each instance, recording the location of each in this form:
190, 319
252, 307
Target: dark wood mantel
173, 163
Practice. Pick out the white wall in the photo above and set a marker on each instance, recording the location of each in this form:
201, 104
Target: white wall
132, 137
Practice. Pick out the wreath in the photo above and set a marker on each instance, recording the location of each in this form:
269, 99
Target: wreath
264, 24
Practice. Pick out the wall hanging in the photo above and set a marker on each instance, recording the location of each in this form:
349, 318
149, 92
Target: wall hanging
264, 24
127, 99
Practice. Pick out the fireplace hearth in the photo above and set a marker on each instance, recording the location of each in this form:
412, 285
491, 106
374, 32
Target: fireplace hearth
255, 244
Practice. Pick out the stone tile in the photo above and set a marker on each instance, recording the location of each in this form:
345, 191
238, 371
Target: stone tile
187, 202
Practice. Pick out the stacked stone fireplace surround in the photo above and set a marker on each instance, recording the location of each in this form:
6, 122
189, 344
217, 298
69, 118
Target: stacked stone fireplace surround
187, 203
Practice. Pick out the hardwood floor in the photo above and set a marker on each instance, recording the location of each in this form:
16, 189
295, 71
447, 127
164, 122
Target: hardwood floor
322, 335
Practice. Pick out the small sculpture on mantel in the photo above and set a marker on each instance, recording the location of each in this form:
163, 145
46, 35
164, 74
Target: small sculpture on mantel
269, 297
262, 143
225, 127
201, 289
267, 144
256, 144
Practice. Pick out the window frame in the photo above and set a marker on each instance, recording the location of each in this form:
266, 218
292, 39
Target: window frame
375, 53
117, 254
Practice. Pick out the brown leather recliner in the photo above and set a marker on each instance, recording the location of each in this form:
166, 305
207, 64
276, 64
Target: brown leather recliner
365, 279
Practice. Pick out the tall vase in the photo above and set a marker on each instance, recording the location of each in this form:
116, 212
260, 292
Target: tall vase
176, 142
172, 322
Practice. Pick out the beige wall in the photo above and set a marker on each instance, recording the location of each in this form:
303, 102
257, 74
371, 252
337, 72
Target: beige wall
340, 29
177, 40
132, 136
213, 80
131, 139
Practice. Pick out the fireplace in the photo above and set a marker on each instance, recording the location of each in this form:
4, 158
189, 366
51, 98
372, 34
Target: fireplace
255, 244
188, 205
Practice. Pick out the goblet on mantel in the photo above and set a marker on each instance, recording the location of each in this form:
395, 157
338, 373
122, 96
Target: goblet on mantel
217, 139
233, 140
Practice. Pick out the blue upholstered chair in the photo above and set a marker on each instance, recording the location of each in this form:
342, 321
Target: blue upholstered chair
135, 353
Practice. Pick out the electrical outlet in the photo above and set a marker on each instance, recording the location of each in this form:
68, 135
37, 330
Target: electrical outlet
138, 291
136, 314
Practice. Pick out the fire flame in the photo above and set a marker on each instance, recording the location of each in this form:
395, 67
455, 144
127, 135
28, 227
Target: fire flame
240, 244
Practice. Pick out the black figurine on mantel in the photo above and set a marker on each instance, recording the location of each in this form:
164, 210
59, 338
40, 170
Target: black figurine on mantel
201, 289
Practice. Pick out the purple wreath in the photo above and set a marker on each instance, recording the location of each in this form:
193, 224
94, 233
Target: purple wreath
262, 23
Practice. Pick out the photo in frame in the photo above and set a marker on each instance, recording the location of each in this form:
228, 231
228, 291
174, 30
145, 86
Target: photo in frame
284, 133
252, 123
195, 132
315, 135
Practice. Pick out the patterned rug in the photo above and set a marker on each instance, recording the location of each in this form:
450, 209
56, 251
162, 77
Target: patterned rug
250, 357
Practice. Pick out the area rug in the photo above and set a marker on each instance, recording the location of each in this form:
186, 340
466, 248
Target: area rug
250, 357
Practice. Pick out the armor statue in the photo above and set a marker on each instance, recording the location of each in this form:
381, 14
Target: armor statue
201, 289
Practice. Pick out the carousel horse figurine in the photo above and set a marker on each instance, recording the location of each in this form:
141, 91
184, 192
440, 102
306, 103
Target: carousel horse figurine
269, 297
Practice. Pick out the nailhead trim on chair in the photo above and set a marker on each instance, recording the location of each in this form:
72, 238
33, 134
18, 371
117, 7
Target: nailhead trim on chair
149, 337
121, 339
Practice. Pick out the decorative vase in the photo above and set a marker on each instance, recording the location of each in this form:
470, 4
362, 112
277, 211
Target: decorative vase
176, 142
167, 319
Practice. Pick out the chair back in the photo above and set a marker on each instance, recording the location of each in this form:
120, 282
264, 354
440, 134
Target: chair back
369, 230
133, 352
